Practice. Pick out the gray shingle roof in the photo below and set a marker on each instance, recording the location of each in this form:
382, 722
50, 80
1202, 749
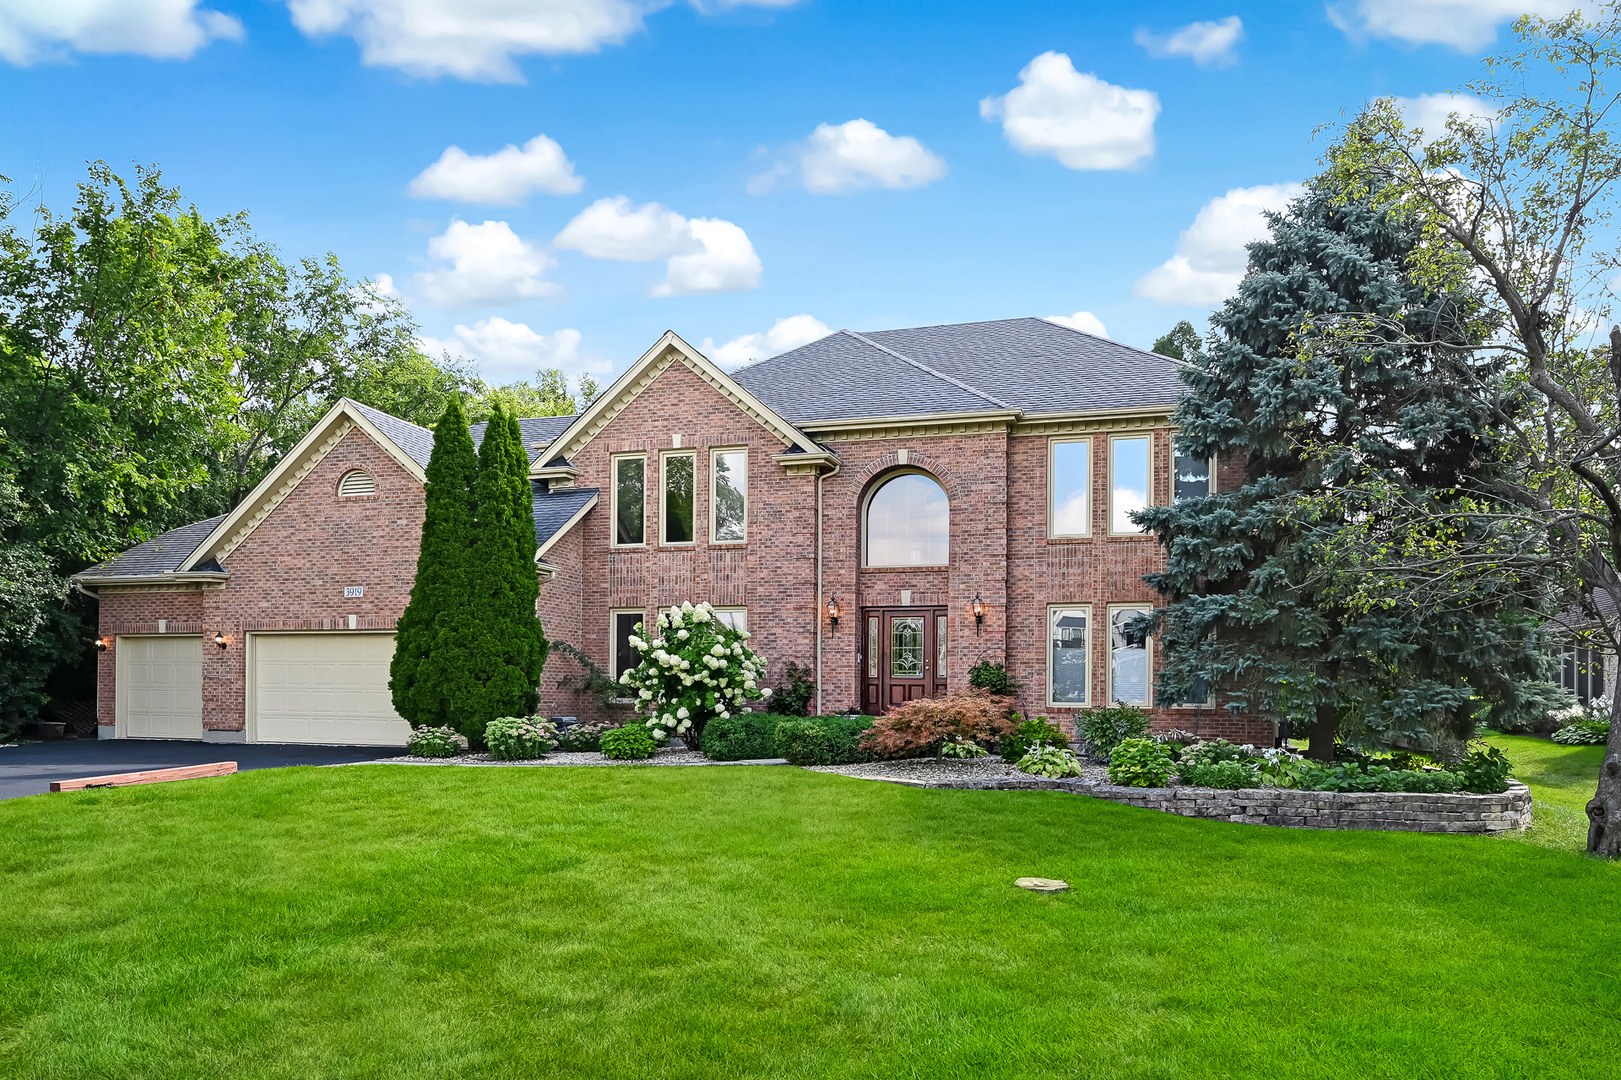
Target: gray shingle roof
553, 509
1028, 364
159, 555
417, 442
535, 429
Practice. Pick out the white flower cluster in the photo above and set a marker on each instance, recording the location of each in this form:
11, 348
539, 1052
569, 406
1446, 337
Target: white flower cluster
697, 668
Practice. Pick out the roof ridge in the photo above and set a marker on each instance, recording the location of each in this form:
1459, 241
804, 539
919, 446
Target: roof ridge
391, 416
924, 367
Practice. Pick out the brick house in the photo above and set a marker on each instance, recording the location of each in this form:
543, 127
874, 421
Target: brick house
886, 508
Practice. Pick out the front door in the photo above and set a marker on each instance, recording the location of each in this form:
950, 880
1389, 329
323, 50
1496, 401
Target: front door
902, 656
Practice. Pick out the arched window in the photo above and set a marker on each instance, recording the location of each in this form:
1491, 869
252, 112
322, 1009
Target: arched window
908, 523
356, 482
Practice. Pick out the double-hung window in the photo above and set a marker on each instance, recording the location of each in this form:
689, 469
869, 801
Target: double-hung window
1068, 642
680, 477
1069, 489
1129, 668
1129, 484
728, 496
629, 500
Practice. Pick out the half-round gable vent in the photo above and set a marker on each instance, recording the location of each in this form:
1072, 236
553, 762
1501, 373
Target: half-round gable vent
356, 482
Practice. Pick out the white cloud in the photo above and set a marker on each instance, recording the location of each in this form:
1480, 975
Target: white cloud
1465, 25
1429, 112
34, 30
504, 178
704, 255
506, 351
1079, 119
480, 39
489, 264
785, 334
1210, 258
1084, 321
860, 154
1208, 44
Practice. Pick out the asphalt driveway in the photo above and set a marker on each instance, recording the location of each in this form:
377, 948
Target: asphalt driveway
29, 769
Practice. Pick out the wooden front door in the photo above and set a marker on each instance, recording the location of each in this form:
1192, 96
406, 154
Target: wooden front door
902, 654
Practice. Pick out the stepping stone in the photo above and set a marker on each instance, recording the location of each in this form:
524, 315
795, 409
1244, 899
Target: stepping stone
1042, 884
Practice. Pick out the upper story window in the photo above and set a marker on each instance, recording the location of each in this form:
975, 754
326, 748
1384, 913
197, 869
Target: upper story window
728, 496
908, 523
1069, 489
1195, 477
680, 471
356, 482
1129, 481
630, 500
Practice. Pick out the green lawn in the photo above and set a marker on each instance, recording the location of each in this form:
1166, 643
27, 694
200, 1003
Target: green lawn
1561, 779
400, 922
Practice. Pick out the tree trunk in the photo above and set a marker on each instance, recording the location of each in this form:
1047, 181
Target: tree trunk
1604, 809
1320, 736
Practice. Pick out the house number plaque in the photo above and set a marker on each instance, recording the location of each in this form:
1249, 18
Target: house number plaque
353, 590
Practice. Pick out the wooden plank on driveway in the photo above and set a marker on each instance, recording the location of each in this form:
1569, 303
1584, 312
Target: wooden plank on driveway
150, 776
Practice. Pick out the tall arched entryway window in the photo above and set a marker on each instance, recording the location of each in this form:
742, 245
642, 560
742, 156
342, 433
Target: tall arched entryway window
908, 523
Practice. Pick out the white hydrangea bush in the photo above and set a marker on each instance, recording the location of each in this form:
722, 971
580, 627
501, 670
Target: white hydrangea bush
695, 669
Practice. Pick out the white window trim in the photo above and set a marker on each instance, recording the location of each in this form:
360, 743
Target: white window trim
1212, 489
1148, 656
1147, 436
714, 502
613, 643
1052, 532
1047, 632
866, 505
613, 484
664, 477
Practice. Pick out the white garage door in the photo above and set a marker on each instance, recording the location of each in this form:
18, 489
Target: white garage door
324, 688
159, 687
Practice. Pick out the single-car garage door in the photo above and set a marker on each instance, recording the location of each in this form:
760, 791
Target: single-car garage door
324, 688
159, 687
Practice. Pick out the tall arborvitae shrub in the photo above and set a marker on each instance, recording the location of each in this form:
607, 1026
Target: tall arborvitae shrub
442, 569
1252, 611
494, 647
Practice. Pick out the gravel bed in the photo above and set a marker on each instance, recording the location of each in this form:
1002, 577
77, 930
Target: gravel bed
934, 770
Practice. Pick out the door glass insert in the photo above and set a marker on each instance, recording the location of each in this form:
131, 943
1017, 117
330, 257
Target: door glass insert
940, 646
906, 647
872, 647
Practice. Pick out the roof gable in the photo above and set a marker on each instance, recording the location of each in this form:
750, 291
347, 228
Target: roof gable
670, 349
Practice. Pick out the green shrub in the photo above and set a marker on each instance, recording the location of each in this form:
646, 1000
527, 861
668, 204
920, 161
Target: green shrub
823, 740
744, 737
1426, 781
1484, 771
520, 738
993, 677
628, 743
958, 747
794, 696
1584, 732
919, 727
435, 742
584, 738
1027, 734
1214, 752
1229, 774
1053, 762
1140, 763
1106, 729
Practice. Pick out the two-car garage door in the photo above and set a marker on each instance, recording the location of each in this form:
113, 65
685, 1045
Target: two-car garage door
323, 688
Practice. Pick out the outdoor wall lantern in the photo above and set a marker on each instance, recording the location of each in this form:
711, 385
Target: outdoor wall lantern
833, 611
221, 640
977, 606
101, 644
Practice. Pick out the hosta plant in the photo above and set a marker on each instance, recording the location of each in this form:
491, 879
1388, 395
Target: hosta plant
1054, 762
1141, 763
520, 738
629, 743
435, 742
959, 747
695, 669
1584, 732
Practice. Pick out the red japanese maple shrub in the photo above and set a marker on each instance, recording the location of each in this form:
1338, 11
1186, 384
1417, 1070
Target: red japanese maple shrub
918, 727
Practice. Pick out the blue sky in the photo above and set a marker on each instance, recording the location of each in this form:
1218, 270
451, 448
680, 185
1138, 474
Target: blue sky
701, 169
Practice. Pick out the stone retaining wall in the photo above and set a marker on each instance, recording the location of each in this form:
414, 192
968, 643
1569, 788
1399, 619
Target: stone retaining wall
1461, 813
